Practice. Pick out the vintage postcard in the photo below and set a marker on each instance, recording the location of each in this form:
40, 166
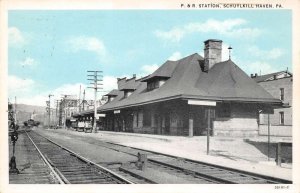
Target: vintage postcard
161, 96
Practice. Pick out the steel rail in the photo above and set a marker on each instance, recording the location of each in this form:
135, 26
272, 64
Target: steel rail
265, 177
57, 176
119, 177
268, 179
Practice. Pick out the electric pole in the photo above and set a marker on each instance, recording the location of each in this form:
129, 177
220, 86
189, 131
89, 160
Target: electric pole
93, 76
65, 104
56, 112
79, 99
60, 113
83, 100
49, 107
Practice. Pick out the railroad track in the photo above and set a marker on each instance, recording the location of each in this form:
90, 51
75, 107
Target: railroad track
33, 169
162, 168
191, 170
71, 168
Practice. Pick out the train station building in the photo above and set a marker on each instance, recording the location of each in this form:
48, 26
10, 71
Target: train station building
187, 96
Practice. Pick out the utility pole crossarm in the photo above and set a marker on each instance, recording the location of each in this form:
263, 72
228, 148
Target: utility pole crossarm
96, 82
94, 71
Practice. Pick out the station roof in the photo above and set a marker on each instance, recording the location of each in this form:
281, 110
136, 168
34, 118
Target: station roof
114, 92
225, 81
164, 70
129, 84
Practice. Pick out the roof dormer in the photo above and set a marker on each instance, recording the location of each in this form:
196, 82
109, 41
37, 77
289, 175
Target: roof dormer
160, 76
129, 86
127, 92
156, 82
112, 95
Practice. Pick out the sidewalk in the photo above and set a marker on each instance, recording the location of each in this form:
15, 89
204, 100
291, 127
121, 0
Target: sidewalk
224, 151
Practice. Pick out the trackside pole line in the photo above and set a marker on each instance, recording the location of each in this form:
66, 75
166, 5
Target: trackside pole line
46, 161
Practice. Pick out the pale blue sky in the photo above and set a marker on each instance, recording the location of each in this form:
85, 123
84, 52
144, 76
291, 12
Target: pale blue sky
50, 51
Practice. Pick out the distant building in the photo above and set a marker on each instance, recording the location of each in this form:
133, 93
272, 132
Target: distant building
280, 86
187, 96
88, 104
67, 106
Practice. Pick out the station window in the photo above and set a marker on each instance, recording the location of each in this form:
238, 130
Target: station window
281, 93
224, 110
127, 93
111, 98
281, 118
153, 85
137, 118
147, 118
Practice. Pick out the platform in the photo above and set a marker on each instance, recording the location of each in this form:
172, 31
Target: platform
224, 151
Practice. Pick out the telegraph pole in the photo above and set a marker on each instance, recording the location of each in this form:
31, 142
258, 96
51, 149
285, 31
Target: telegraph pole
208, 130
50, 95
56, 111
65, 104
79, 105
83, 100
93, 76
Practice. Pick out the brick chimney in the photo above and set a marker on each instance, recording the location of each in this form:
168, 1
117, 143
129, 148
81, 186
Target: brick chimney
212, 53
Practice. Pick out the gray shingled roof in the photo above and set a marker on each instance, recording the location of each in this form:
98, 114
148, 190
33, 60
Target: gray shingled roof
164, 70
129, 84
114, 92
225, 81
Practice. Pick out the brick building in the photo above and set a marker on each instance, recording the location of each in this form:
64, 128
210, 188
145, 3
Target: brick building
280, 86
187, 96
175, 99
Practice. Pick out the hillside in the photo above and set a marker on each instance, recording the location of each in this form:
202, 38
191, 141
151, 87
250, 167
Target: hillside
25, 112
31, 108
